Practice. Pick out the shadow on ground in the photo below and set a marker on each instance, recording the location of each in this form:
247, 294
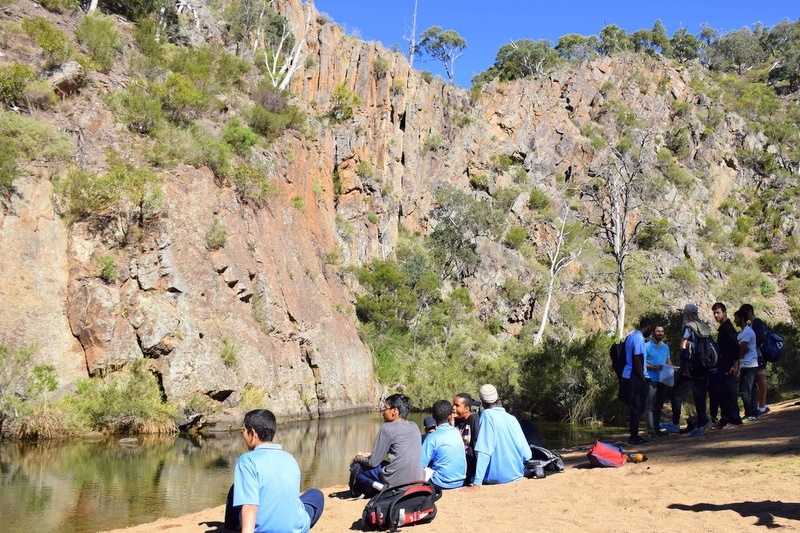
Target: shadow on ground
766, 511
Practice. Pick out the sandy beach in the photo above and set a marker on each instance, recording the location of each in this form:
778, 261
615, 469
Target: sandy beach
732, 480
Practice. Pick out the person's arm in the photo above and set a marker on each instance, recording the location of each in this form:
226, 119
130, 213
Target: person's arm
638, 366
427, 452
484, 446
249, 513
379, 449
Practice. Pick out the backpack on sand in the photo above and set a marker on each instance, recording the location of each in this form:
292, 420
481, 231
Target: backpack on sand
602, 454
543, 463
402, 505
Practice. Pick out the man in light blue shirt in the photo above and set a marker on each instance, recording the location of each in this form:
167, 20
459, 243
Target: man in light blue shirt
501, 447
656, 356
265, 496
443, 455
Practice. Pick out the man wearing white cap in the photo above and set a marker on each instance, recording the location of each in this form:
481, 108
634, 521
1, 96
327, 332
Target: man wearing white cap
501, 447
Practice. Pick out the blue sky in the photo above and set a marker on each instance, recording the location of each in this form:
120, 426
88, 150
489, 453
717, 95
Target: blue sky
488, 25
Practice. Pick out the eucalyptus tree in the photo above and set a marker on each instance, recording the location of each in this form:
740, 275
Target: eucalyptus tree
443, 45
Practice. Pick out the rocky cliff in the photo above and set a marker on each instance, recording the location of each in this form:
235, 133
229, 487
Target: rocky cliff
275, 295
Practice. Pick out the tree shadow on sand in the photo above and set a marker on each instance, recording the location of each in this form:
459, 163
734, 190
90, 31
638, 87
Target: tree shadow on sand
765, 511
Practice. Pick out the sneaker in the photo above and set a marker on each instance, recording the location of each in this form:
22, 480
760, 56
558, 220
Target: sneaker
719, 425
670, 427
655, 434
762, 412
698, 432
637, 441
728, 426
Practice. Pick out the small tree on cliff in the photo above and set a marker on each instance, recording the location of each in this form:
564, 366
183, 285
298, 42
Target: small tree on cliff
445, 45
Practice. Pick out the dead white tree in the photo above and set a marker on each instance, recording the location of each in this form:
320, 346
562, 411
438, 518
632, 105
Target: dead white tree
412, 38
619, 197
280, 63
560, 253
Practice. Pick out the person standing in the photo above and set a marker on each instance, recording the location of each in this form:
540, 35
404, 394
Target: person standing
692, 376
398, 439
727, 368
634, 377
760, 330
468, 425
501, 446
265, 496
748, 367
656, 356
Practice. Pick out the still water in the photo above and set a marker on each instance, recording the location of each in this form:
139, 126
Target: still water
84, 487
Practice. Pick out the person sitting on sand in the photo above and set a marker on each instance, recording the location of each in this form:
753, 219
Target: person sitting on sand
443, 458
266, 484
400, 440
501, 447
468, 424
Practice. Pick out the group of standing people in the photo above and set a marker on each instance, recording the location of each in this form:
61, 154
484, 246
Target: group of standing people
460, 448
740, 372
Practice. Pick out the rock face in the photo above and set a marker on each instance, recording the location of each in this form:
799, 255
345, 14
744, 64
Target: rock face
268, 309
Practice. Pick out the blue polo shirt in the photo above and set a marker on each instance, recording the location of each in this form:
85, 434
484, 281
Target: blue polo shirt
634, 344
270, 478
655, 355
443, 452
501, 448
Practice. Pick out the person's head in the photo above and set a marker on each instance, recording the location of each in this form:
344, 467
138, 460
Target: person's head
748, 311
690, 310
260, 424
396, 406
462, 405
442, 409
720, 312
658, 333
489, 396
645, 326
429, 424
740, 318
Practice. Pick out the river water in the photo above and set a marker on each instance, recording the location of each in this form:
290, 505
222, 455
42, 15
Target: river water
89, 486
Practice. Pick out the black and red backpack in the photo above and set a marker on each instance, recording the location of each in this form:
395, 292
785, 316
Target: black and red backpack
401, 505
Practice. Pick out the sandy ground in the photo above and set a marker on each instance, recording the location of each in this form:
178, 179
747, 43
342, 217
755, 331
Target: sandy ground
730, 480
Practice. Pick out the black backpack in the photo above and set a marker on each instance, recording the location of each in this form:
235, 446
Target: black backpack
402, 505
772, 347
705, 351
543, 463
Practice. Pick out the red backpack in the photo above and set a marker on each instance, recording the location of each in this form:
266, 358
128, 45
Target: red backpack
602, 454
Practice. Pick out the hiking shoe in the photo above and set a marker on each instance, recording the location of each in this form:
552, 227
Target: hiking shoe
698, 432
670, 426
637, 441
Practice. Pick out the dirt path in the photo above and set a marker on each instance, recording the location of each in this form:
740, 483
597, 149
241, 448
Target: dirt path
730, 480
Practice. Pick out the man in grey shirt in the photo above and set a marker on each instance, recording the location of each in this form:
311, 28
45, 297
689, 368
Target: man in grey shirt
398, 439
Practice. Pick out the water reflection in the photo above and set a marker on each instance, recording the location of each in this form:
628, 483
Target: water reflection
82, 487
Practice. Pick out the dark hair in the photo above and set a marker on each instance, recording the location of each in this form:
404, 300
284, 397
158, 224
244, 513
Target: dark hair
719, 305
441, 411
747, 308
401, 402
263, 422
645, 322
466, 397
741, 313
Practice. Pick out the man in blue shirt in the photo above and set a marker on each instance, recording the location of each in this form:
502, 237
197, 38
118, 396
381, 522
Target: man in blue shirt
656, 356
501, 447
266, 485
443, 455
634, 377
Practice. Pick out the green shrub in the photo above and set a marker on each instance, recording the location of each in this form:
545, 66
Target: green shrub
181, 99
427, 76
9, 171
54, 43
298, 203
684, 274
539, 200
59, 6
674, 173
102, 38
40, 94
216, 236
770, 261
501, 162
520, 176
365, 170
230, 351
432, 143
138, 107
271, 124
397, 88
505, 197
381, 67
33, 140
129, 401
13, 80
106, 269
655, 235
342, 102
372, 217
253, 183
479, 181
678, 142
766, 287
515, 236
240, 137
514, 291
252, 398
